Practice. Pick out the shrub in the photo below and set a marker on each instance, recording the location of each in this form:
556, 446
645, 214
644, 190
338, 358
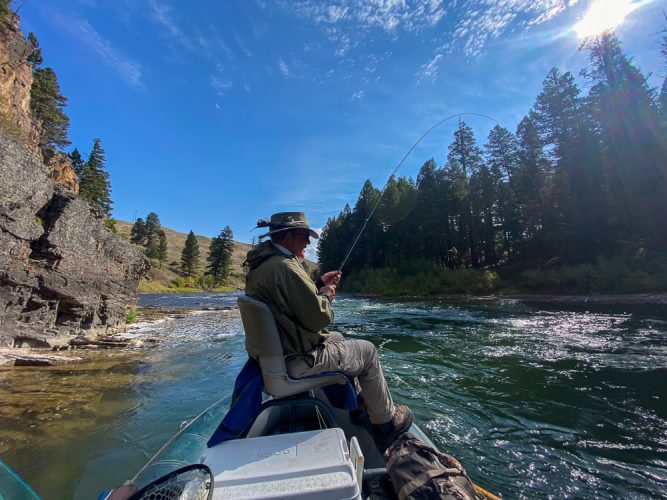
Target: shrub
419, 278
178, 282
131, 316
629, 274
185, 282
110, 224
4, 10
7, 120
208, 282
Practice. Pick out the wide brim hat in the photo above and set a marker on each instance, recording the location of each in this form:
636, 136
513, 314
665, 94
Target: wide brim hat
286, 221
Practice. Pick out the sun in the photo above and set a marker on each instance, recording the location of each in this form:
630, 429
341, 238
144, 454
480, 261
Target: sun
605, 15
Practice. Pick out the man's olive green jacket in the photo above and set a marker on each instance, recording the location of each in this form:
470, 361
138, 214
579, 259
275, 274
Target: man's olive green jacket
281, 282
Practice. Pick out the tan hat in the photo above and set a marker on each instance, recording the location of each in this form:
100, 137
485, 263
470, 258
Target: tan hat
284, 221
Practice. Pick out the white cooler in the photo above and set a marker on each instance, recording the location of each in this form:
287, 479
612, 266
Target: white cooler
313, 464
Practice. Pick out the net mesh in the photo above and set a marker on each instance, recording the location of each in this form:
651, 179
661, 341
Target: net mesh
191, 483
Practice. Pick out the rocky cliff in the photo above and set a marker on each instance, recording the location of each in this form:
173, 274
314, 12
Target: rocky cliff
15, 116
15, 83
62, 272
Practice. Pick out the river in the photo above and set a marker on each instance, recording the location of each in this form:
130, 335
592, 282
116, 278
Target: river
536, 400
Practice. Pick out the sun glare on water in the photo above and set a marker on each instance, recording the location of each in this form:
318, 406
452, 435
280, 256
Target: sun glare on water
604, 15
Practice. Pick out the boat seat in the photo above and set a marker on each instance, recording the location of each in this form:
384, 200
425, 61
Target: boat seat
262, 342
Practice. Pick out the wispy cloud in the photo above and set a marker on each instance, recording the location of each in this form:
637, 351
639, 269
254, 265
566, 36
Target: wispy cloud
363, 16
162, 14
472, 24
128, 69
242, 45
207, 44
220, 84
429, 70
284, 69
213, 44
477, 24
388, 15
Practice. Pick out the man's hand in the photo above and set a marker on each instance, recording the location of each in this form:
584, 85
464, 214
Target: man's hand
332, 278
329, 291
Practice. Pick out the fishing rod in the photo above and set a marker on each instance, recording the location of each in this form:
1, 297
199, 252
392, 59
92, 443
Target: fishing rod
356, 239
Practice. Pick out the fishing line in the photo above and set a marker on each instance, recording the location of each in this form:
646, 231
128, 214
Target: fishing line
356, 239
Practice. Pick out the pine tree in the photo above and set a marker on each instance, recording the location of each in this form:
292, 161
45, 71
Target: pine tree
95, 186
328, 245
464, 150
367, 253
153, 247
152, 230
335, 240
46, 105
484, 188
35, 58
456, 196
502, 156
465, 153
633, 145
555, 112
138, 232
426, 218
190, 255
162, 247
220, 255
561, 123
77, 163
531, 179
394, 214
150, 235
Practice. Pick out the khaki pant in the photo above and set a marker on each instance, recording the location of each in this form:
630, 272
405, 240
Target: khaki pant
355, 358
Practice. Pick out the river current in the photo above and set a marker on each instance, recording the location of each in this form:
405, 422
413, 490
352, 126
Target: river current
536, 400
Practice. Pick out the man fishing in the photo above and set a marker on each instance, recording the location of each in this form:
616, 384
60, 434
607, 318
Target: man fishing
303, 310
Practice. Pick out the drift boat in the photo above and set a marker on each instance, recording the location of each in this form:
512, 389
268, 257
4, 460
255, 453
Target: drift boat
300, 442
299, 446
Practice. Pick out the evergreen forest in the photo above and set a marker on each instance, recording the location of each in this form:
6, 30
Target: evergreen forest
573, 200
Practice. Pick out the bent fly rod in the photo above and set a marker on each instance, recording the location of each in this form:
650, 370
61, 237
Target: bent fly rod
356, 239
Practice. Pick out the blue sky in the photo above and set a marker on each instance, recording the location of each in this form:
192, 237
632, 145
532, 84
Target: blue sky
216, 113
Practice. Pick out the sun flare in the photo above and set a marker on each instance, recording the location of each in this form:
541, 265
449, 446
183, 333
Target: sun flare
604, 15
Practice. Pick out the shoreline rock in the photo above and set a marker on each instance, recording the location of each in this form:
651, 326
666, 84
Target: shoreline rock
120, 338
28, 357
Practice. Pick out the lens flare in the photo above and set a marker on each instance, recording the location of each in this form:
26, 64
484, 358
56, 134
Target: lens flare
605, 15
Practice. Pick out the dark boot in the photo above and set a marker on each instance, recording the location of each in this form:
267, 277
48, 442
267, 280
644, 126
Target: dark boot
387, 433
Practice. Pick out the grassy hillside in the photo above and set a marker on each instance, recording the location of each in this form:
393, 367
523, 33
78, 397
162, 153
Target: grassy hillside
167, 278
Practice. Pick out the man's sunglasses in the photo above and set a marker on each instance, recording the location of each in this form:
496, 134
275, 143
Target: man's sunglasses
304, 235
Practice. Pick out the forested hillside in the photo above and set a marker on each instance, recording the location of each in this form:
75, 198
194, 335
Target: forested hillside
168, 275
574, 200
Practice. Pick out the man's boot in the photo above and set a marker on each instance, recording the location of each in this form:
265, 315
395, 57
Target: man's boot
387, 433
